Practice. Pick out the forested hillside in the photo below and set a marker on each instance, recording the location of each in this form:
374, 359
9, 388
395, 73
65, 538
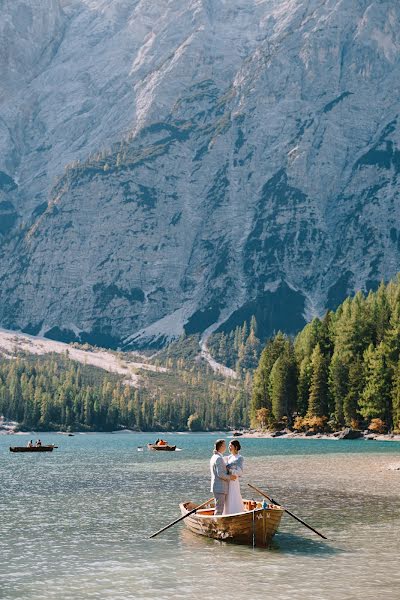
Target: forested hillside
52, 392
341, 370
238, 349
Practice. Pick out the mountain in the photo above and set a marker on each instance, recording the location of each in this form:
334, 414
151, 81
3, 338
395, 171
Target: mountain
177, 167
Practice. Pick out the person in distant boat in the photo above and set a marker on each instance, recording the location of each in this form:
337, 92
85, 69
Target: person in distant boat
220, 477
38, 443
234, 464
30, 444
161, 443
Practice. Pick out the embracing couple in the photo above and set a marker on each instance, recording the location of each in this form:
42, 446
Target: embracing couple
225, 473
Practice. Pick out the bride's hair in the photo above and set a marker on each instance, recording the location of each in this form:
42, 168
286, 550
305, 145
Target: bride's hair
236, 443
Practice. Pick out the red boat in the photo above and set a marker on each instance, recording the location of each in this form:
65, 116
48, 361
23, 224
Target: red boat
165, 447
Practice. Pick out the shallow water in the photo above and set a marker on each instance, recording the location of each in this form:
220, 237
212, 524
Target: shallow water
74, 523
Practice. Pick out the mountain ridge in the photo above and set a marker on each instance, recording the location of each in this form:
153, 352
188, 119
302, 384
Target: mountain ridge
222, 159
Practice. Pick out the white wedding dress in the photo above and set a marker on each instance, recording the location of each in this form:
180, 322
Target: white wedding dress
234, 502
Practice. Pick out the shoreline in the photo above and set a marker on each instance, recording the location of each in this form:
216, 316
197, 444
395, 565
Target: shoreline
8, 427
336, 435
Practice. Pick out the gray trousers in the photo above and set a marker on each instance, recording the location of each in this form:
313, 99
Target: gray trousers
220, 500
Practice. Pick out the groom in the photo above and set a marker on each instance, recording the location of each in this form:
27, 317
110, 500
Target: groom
219, 477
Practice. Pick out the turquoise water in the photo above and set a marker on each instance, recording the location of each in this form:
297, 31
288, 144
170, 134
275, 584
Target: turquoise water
75, 522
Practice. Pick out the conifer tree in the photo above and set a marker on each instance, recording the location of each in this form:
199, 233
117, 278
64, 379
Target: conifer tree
353, 330
223, 349
261, 393
253, 325
318, 399
392, 334
325, 334
396, 398
380, 313
249, 353
307, 339
303, 385
338, 386
376, 398
283, 386
355, 386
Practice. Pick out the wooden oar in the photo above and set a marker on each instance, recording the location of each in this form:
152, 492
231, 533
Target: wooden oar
181, 518
288, 511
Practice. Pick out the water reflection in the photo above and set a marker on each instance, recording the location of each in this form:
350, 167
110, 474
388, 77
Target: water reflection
290, 543
286, 543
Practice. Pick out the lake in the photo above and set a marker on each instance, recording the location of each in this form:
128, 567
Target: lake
75, 522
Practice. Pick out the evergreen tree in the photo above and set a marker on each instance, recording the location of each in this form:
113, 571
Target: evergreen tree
353, 329
249, 353
318, 399
307, 339
338, 386
283, 386
392, 334
261, 388
380, 313
325, 334
303, 385
376, 398
396, 398
253, 326
351, 401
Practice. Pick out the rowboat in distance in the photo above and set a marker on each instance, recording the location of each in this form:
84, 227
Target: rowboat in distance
33, 448
255, 526
162, 447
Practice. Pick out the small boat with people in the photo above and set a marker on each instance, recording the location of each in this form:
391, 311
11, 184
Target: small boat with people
226, 516
161, 445
256, 526
34, 447
49, 448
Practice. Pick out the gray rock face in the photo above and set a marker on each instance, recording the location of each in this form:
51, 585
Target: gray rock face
170, 167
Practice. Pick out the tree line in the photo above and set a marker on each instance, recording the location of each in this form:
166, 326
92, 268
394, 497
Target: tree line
53, 392
342, 370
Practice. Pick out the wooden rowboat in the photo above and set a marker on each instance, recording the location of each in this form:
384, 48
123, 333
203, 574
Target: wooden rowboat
166, 447
255, 526
33, 448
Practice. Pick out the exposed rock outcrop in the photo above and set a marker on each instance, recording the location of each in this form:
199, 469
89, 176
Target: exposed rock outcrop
171, 167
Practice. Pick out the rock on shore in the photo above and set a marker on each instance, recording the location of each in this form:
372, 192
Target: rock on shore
346, 434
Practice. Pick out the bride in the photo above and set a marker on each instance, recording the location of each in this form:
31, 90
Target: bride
234, 464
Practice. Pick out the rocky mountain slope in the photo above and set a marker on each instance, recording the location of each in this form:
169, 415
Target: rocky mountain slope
179, 166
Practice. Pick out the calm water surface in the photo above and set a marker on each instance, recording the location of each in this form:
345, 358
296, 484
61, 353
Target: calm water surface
74, 523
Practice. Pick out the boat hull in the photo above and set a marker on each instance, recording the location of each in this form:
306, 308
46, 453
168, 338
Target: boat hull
254, 527
161, 448
33, 449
